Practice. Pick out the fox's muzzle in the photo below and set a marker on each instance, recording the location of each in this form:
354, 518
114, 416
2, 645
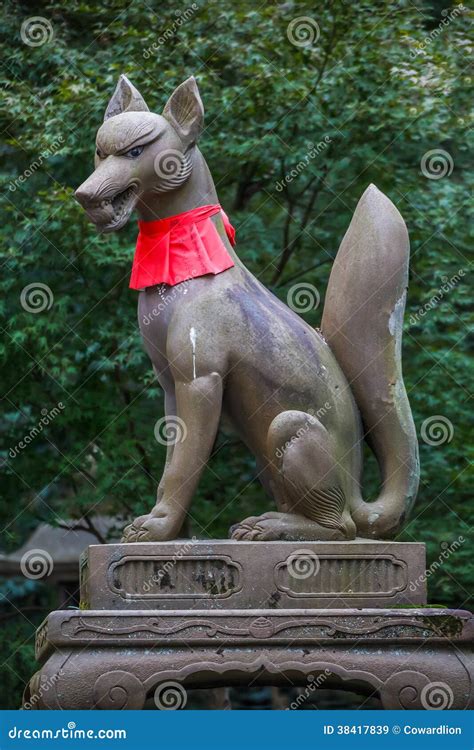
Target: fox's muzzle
107, 203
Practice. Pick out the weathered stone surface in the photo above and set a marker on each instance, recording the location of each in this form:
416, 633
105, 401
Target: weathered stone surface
410, 658
208, 625
252, 575
66, 629
232, 349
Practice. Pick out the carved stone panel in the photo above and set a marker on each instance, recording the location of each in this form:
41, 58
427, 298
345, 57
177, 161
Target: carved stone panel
253, 575
72, 629
161, 577
344, 575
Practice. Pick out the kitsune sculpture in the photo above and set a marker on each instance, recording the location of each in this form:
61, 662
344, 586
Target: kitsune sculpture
226, 345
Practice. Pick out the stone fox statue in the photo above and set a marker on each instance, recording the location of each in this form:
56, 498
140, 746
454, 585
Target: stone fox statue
302, 401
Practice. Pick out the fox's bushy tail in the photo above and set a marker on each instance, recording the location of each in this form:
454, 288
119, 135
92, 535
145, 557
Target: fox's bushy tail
363, 324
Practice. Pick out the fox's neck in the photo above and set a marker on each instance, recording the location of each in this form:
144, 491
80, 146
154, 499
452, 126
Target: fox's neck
197, 191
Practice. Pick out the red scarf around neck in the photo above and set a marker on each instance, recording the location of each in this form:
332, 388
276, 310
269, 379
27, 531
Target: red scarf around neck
180, 247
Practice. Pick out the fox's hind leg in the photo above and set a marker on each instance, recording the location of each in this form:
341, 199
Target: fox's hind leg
309, 485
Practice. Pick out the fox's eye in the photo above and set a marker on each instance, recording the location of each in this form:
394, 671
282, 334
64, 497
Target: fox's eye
134, 152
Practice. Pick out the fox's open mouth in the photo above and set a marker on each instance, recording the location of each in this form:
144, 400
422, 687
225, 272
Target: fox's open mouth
118, 208
112, 212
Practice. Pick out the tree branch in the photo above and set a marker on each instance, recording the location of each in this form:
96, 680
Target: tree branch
305, 271
291, 246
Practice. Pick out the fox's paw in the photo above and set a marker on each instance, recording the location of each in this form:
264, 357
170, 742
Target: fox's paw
288, 527
151, 529
266, 527
129, 533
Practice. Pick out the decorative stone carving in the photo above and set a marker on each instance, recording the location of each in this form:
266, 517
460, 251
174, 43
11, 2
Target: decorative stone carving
346, 575
400, 655
116, 655
223, 336
273, 606
277, 575
141, 577
118, 690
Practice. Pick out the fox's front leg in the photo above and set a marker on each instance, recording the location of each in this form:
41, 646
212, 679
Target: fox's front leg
198, 409
170, 414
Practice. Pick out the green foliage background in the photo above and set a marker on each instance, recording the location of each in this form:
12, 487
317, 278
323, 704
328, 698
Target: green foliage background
384, 83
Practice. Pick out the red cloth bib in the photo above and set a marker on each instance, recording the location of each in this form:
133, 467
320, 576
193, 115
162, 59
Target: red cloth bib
180, 247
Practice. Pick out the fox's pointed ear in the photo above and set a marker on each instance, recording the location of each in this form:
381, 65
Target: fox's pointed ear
125, 98
185, 112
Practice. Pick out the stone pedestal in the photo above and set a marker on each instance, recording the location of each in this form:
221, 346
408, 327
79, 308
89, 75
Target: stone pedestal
159, 618
253, 575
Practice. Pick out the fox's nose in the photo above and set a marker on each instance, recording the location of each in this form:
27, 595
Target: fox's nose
83, 196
